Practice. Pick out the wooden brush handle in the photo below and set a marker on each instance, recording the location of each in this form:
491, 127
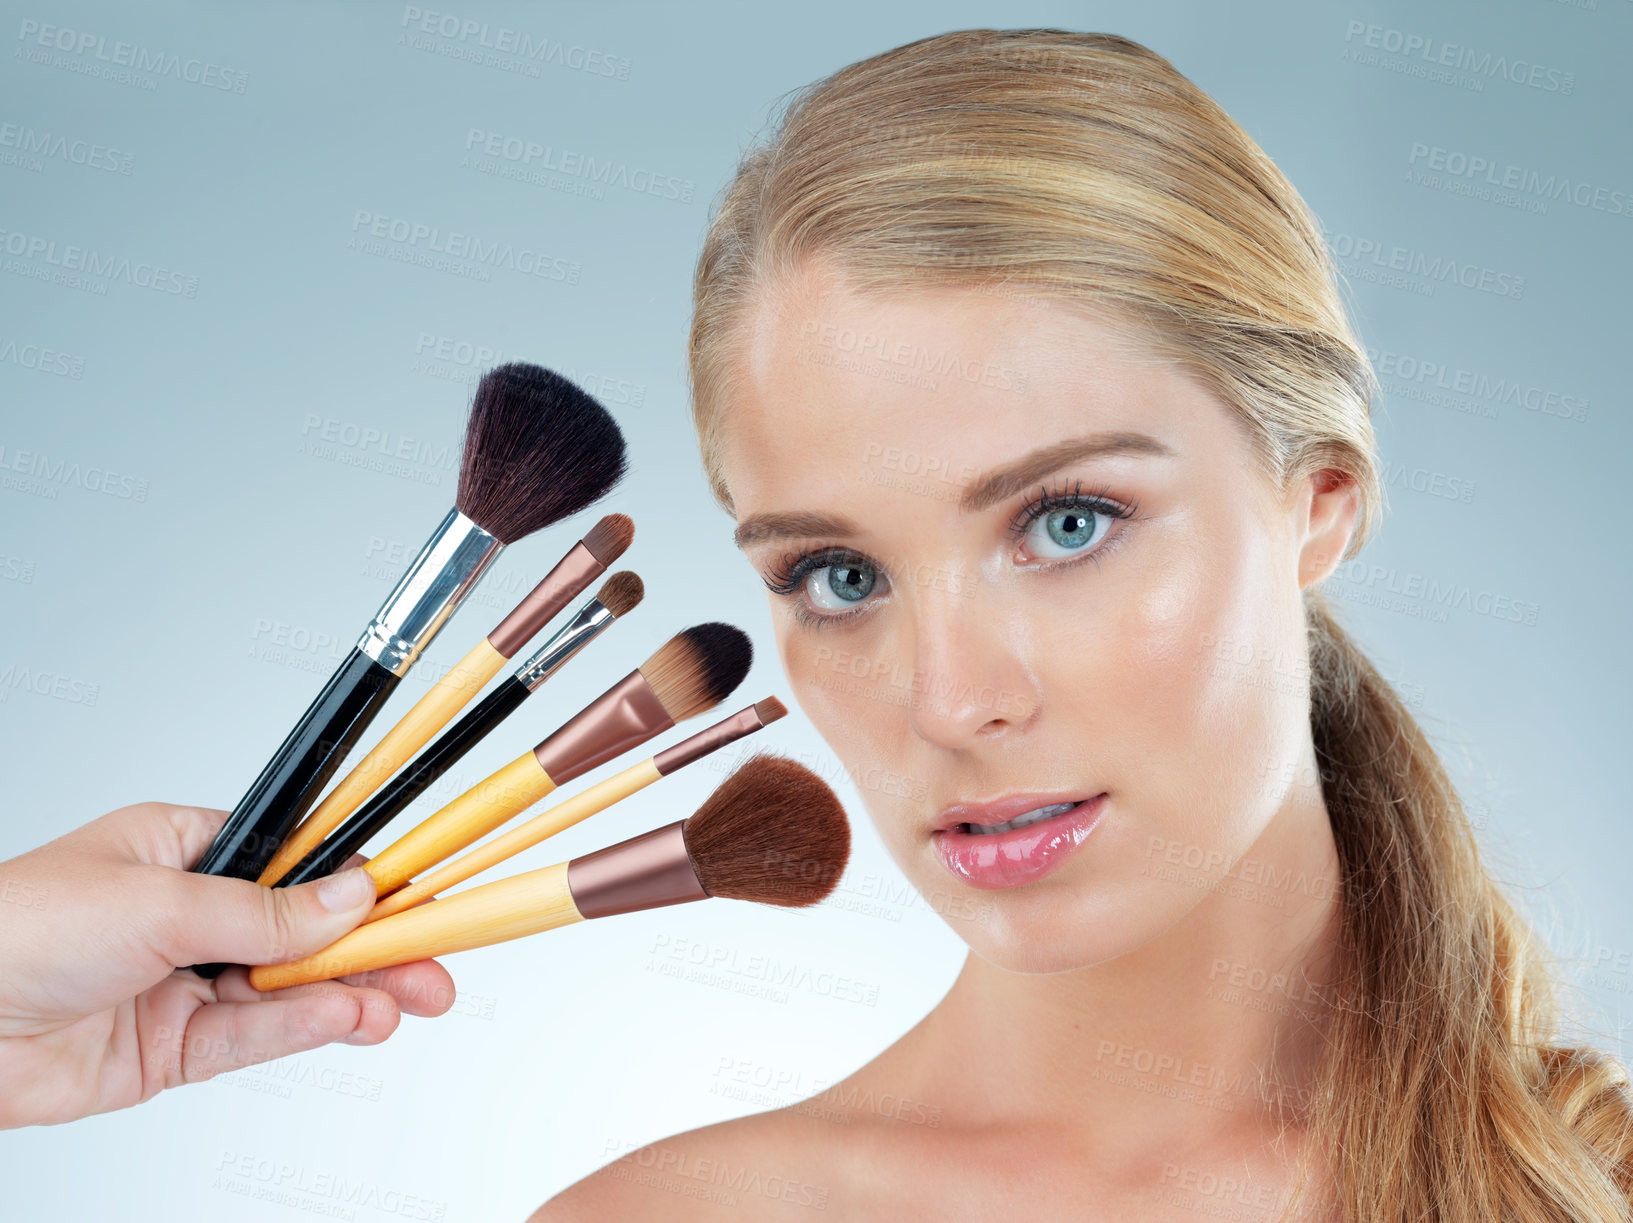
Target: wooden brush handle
524, 836
429, 715
493, 913
470, 817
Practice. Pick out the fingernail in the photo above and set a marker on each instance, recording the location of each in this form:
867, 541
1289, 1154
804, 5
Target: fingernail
345, 891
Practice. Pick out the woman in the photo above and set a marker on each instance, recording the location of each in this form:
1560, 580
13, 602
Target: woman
1024, 374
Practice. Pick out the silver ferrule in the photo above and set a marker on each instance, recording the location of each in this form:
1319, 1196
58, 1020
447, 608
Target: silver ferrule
431, 590
585, 626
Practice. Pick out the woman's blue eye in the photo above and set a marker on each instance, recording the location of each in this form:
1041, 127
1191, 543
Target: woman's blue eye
834, 587
1064, 531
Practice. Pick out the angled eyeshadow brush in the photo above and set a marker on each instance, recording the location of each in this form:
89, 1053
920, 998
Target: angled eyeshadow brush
583, 805
691, 672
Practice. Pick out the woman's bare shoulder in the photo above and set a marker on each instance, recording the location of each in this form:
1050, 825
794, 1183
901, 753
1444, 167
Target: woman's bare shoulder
771, 1165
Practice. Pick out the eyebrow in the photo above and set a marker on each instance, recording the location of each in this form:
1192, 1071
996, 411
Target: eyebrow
1016, 477
987, 491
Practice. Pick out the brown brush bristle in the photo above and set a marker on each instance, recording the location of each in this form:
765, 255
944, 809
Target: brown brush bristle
621, 592
698, 668
537, 448
610, 538
774, 832
769, 710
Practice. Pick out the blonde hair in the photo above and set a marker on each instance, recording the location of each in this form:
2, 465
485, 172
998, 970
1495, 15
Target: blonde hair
1085, 168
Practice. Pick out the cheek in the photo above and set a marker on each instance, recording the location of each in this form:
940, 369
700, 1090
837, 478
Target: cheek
843, 687
1210, 672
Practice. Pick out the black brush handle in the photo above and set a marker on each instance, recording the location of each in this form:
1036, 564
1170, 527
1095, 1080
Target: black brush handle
409, 784
296, 775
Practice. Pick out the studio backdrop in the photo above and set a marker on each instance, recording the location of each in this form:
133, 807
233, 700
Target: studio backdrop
255, 258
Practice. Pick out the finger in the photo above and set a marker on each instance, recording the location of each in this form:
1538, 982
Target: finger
160, 834
208, 918
227, 1036
422, 988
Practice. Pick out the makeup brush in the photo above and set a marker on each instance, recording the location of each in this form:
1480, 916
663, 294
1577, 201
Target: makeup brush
537, 449
585, 561
581, 806
618, 595
773, 833
692, 672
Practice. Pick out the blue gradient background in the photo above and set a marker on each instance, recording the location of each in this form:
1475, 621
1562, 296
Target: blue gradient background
161, 627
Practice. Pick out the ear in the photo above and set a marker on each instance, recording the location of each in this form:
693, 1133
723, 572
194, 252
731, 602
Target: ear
1330, 505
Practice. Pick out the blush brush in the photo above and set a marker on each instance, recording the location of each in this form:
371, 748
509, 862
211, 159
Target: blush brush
689, 674
585, 561
583, 805
773, 832
618, 595
537, 449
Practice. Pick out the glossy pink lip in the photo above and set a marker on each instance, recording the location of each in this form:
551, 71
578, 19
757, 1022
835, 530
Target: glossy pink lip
1022, 855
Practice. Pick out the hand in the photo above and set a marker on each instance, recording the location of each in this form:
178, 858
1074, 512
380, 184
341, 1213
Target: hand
94, 1015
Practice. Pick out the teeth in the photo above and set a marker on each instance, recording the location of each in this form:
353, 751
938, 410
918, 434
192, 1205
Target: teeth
1020, 821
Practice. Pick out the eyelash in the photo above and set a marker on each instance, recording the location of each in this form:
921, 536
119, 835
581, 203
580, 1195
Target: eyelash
788, 575
1048, 501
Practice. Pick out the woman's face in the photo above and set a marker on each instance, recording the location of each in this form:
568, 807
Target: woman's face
1030, 586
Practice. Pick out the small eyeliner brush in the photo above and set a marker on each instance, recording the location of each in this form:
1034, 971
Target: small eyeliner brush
585, 561
619, 595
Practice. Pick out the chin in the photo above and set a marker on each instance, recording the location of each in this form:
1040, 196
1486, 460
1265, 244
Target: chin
1074, 919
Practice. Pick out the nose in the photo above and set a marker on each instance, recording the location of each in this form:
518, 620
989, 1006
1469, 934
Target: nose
972, 675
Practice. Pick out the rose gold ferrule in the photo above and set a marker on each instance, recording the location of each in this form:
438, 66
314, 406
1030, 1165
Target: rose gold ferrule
626, 714
710, 739
562, 584
644, 872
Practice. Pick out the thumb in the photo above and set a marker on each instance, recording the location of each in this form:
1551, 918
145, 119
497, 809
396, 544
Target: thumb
238, 921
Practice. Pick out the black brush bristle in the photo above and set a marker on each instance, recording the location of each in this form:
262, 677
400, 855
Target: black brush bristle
537, 449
